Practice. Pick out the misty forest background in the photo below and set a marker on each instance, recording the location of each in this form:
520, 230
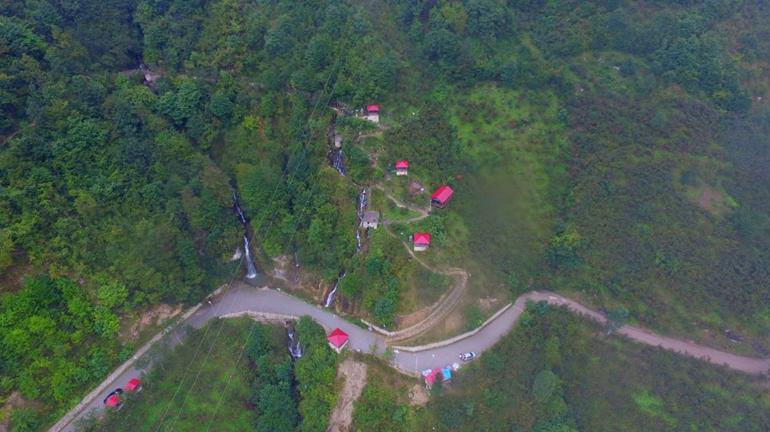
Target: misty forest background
613, 150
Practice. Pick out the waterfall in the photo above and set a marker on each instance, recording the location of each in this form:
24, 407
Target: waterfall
251, 272
330, 297
360, 213
361, 204
251, 269
338, 161
238, 209
295, 349
237, 255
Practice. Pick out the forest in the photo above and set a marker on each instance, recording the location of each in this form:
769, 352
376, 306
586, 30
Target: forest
612, 150
245, 380
553, 374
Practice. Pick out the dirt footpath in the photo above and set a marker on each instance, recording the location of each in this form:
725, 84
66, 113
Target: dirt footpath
354, 374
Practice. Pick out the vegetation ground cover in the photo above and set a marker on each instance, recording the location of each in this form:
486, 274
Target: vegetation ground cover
245, 380
178, 393
611, 150
555, 372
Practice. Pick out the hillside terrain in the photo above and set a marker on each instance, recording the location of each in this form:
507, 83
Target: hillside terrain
613, 151
552, 373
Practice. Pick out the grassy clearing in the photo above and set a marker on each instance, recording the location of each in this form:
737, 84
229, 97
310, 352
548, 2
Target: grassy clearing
509, 207
502, 217
388, 209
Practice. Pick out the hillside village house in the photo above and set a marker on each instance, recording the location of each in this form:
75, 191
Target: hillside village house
402, 167
442, 196
421, 241
372, 113
338, 339
371, 219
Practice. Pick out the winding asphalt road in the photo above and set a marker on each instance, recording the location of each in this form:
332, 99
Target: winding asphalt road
243, 298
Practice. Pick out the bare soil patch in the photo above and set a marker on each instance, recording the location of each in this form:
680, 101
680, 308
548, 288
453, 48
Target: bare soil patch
408, 320
295, 279
711, 199
354, 374
154, 317
418, 395
281, 266
488, 304
13, 402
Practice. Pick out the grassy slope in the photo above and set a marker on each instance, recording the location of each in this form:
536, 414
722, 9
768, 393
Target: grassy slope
180, 393
601, 384
640, 170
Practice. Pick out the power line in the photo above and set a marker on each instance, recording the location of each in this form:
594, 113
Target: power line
189, 390
294, 232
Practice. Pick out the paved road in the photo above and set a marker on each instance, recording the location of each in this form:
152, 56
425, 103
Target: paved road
242, 297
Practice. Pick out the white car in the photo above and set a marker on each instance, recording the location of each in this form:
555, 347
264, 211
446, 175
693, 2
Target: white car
468, 356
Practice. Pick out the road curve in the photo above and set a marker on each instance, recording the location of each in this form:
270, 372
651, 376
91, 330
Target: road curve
242, 298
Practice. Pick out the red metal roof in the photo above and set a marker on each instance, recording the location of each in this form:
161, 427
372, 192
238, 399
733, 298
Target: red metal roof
402, 164
113, 401
133, 384
372, 108
421, 238
442, 194
337, 338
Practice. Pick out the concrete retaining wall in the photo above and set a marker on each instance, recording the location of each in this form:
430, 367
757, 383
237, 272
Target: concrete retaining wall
261, 316
454, 339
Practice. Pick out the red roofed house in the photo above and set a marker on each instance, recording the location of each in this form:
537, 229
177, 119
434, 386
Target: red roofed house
442, 196
338, 339
372, 113
134, 385
402, 167
421, 241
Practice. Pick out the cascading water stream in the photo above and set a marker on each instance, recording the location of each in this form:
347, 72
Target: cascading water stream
360, 213
330, 297
361, 204
338, 161
238, 209
295, 349
251, 270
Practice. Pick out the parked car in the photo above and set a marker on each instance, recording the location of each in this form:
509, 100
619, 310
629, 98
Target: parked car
468, 356
134, 385
113, 399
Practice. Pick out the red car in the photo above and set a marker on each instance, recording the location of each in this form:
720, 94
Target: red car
134, 385
113, 399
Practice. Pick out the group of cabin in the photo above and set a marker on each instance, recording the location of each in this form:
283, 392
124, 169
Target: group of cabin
439, 199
